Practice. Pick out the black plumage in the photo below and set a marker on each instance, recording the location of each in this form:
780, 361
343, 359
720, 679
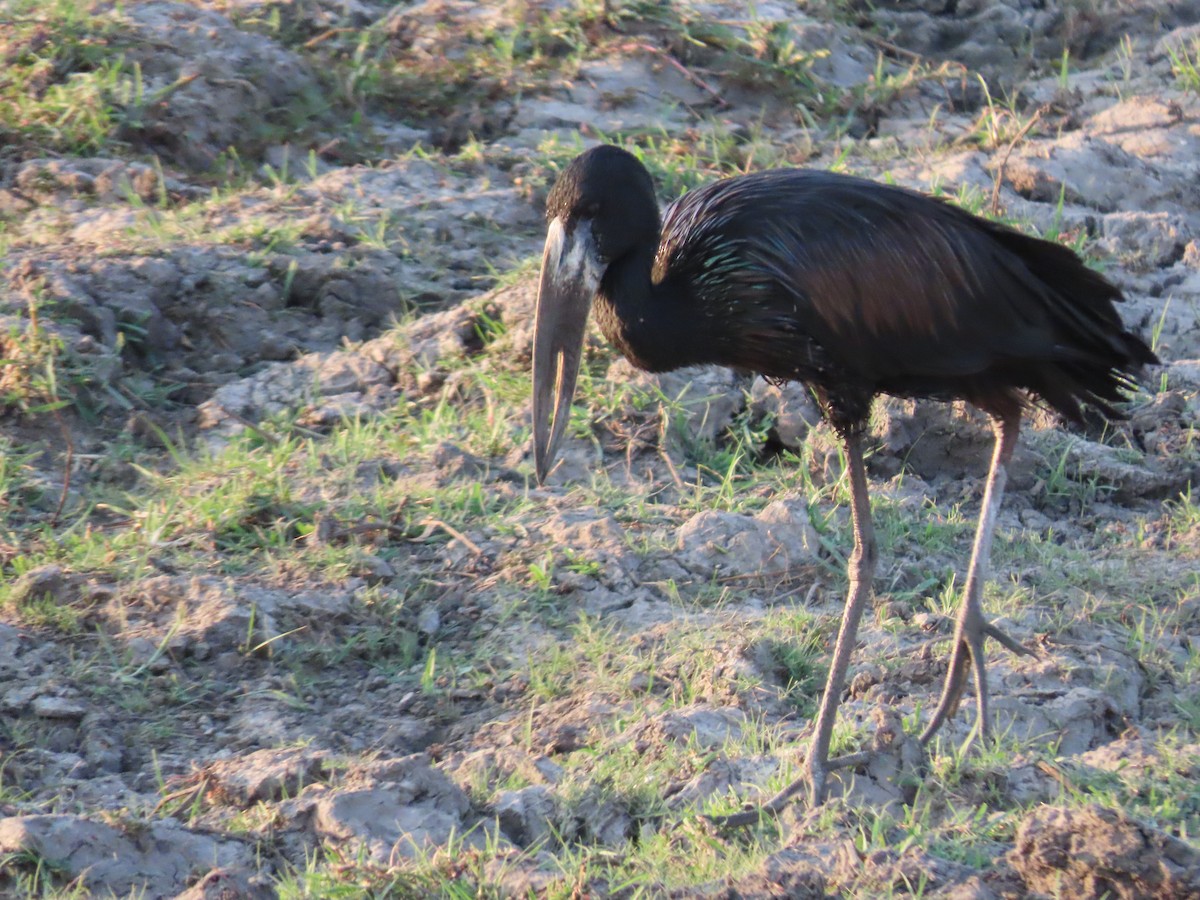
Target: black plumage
853, 287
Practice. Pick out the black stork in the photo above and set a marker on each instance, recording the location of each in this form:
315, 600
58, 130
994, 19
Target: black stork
853, 287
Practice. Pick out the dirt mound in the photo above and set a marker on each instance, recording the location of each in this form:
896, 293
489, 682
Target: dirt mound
1011, 38
1096, 852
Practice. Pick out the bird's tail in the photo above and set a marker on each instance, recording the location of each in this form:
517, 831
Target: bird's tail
1096, 360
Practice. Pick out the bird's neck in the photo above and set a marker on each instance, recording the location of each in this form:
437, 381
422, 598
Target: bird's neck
650, 324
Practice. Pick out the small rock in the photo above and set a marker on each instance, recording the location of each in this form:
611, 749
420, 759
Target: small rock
228, 884
143, 651
16, 699
707, 728
1089, 461
454, 462
605, 822
429, 620
526, 815
158, 862
102, 753
697, 402
548, 769
1027, 783
266, 774
1146, 239
228, 661
799, 872
374, 569
10, 643
58, 708
771, 544
44, 582
1131, 755
409, 807
792, 406
61, 739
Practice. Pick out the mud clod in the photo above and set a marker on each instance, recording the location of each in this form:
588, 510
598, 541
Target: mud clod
1097, 852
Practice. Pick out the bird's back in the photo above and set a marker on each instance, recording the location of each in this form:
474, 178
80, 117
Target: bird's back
862, 288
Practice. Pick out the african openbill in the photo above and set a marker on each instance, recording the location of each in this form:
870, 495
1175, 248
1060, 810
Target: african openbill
853, 287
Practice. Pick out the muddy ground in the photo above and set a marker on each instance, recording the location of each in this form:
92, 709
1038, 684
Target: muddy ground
216, 722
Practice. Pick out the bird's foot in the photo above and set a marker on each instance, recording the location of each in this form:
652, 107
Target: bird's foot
1011, 644
812, 782
968, 656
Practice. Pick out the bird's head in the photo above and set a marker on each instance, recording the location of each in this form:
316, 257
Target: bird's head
599, 210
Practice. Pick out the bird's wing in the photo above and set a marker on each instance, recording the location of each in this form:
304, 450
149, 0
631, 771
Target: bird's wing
884, 281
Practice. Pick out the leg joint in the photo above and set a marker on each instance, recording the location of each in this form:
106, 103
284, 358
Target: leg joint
865, 553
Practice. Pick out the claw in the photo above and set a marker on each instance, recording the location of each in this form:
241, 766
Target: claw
814, 779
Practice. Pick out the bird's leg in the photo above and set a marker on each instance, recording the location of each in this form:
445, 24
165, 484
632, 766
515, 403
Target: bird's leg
972, 629
861, 570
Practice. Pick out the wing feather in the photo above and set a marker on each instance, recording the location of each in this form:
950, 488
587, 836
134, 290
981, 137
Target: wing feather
807, 272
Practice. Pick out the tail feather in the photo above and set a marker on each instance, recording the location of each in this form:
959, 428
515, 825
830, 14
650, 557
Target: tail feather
1097, 360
